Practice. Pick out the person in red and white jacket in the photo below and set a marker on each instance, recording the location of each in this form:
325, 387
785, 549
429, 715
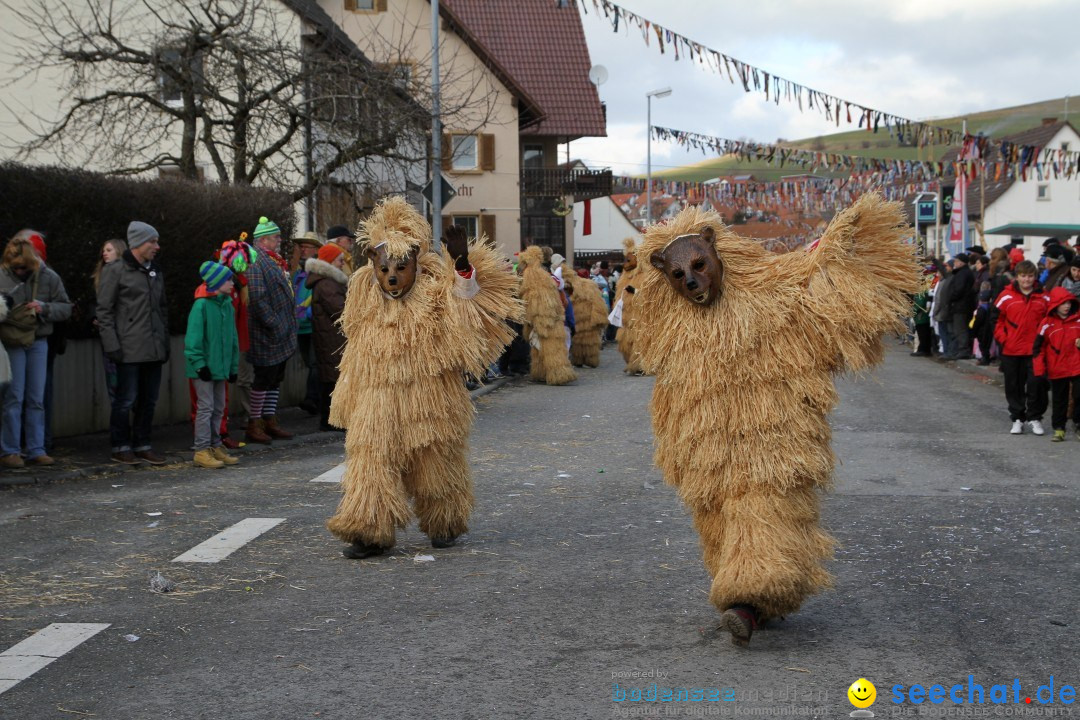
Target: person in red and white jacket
1020, 310
1057, 356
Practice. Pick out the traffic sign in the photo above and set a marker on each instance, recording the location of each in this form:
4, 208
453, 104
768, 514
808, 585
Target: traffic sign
926, 211
447, 190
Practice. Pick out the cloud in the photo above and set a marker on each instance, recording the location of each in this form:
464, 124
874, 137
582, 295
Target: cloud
919, 59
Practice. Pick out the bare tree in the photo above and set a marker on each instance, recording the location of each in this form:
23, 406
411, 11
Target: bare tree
233, 84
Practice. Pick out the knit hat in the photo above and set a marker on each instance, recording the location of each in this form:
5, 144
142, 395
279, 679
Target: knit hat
266, 227
214, 275
962, 257
1075, 262
38, 243
139, 233
1054, 252
328, 253
237, 254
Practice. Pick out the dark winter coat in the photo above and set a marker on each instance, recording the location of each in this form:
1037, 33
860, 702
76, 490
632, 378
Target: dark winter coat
1018, 319
328, 286
132, 313
963, 294
271, 313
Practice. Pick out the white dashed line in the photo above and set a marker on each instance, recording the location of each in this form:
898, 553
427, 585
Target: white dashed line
333, 475
43, 647
228, 541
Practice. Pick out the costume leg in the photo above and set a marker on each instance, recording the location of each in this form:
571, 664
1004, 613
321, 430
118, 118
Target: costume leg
441, 486
374, 501
765, 549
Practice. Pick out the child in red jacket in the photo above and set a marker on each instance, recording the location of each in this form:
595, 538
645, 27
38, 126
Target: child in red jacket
1021, 308
1057, 356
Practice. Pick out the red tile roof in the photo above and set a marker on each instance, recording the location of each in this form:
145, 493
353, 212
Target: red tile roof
541, 46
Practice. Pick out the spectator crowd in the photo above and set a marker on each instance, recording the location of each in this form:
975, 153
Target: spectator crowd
1023, 316
251, 312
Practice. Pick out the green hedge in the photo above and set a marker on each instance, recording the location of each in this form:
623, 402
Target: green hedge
77, 211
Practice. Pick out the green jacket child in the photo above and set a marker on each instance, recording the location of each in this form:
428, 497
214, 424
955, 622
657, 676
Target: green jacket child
211, 346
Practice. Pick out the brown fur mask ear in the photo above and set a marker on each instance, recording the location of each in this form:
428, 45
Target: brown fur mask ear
395, 276
692, 267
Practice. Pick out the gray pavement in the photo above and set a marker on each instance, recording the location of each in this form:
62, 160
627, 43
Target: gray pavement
957, 557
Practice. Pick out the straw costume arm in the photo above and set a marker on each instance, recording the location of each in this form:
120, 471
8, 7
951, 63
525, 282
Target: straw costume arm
480, 305
858, 280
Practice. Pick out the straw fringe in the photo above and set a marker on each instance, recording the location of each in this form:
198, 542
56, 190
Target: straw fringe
744, 386
545, 316
401, 395
626, 336
590, 318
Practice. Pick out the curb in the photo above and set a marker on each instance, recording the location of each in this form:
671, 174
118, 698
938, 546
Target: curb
15, 479
989, 374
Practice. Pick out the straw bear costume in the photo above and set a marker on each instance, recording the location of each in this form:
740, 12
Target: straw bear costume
743, 387
401, 394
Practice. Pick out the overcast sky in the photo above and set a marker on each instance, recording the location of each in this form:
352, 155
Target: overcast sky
914, 58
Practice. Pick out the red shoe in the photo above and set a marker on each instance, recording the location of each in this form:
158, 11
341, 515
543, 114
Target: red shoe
231, 444
741, 621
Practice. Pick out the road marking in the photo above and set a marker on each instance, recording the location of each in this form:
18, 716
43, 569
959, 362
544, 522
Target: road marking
228, 541
22, 660
333, 475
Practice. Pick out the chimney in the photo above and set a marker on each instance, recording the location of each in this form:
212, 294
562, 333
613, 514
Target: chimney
1049, 121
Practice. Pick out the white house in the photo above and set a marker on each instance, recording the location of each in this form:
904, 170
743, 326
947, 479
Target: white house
1035, 208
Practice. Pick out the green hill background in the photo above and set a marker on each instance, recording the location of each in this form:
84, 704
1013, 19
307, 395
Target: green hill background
995, 123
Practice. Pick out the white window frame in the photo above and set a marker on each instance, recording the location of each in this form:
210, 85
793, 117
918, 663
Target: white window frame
456, 163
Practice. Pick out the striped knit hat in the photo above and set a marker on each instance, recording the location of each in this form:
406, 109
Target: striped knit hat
266, 227
214, 275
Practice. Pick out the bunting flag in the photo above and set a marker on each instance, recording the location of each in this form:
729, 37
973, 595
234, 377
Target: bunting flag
775, 88
772, 86
805, 194
1017, 160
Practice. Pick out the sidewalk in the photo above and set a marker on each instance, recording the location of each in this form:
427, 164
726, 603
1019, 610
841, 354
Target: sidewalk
84, 456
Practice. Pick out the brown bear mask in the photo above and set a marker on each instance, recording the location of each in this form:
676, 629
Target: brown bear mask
692, 266
395, 275
630, 263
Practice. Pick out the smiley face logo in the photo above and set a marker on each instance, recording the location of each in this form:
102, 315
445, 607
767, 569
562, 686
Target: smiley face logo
862, 693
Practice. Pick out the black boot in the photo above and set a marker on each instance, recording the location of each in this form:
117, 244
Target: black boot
740, 621
359, 550
443, 542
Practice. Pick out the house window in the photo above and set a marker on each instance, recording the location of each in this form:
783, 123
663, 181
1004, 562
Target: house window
402, 74
533, 156
465, 154
469, 222
366, 5
1065, 146
1043, 192
170, 65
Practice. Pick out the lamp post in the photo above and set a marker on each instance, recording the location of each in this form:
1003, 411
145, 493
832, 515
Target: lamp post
662, 92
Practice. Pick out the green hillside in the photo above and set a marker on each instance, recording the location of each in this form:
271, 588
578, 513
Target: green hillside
997, 123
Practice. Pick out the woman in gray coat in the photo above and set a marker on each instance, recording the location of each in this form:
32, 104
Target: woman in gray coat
33, 285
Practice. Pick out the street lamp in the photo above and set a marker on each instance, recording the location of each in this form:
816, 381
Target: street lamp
662, 92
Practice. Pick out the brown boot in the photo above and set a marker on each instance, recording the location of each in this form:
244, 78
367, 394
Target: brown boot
275, 431
254, 432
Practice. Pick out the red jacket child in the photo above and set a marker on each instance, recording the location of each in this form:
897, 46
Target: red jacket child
1019, 319
1056, 353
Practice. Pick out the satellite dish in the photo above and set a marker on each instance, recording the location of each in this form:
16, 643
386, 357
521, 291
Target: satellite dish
598, 75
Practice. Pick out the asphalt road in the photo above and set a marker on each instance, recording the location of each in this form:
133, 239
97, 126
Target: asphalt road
957, 557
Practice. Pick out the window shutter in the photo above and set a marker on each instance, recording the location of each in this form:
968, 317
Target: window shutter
350, 4
487, 227
487, 151
380, 5
447, 151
